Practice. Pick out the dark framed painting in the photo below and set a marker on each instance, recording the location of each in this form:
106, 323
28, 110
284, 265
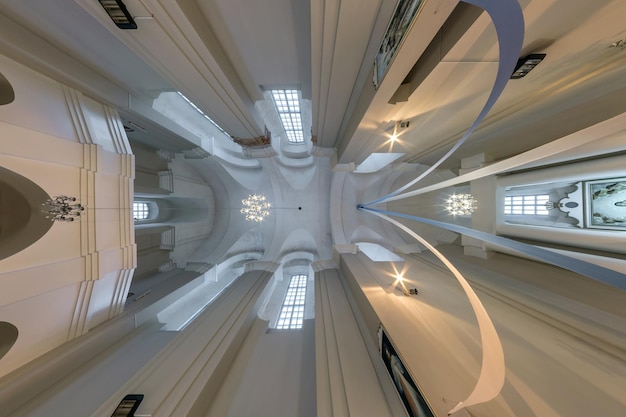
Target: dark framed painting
606, 204
414, 401
403, 16
128, 406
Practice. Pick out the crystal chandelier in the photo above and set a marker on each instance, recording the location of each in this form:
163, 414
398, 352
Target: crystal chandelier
461, 204
62, 208
255, 208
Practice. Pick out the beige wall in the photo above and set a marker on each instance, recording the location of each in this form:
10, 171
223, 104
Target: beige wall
562, 334
77, 275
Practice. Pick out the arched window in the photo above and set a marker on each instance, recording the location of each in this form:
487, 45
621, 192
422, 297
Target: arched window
292, 312
141, 211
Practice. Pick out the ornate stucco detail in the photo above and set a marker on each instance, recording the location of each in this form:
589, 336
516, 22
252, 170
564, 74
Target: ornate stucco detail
257, 142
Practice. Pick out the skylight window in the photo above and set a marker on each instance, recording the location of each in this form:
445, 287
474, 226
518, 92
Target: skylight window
526, 205
292, 312
288, 107
196, 108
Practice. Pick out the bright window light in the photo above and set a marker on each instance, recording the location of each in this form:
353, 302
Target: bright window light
292, 313
202, 113
288, 107
534, 205
141, 211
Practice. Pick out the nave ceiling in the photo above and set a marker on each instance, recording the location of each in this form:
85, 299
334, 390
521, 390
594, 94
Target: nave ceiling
222, 54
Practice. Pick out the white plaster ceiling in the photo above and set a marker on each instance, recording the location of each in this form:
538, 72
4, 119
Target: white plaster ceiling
220, 53
323, 45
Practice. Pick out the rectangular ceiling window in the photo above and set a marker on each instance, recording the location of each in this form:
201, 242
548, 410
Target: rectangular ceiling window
534, 205
196, 108
292, 312
288, 108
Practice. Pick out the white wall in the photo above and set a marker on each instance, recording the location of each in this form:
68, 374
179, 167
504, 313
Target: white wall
561, 334
272, 375
77, 274
603, 240
347, 381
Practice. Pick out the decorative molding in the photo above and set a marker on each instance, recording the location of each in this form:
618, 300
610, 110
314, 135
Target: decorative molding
409, 248
168, 239
199, 267
168, 266
339, 249
324, 264
166, 180
472, 163
258, 152
350, 248
79, 325
122, 286
74, 106
323, 152
118, 134
261, 266
259, 141
478, 252
165, 155
349, 167
196, 153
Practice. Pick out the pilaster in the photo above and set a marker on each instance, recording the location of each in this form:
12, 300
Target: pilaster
347, 384
184, 377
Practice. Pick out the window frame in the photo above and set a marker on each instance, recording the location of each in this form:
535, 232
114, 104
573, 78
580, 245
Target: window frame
526, 205
291, 315
287, 104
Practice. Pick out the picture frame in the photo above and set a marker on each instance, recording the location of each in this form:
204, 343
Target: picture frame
414, 402
400, 23
606, 204
128, 405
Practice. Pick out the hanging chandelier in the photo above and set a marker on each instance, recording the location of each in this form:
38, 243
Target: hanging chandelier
62, 208
255, 208
461, 204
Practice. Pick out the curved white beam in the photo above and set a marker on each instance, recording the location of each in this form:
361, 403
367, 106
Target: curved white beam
508, 20
492, 371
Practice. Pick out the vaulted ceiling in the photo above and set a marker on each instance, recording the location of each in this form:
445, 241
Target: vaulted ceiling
223, 53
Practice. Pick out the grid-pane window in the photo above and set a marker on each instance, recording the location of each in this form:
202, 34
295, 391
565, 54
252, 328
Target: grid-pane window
534, 205
292, 313
288, 107
141, 211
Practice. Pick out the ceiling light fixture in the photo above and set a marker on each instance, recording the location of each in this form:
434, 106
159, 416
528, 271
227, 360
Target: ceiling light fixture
62, 209
396, 128
461, 204
118, 13
526, 64
256, 208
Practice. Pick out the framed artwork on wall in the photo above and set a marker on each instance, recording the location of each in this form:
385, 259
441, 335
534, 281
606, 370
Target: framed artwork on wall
400, 23
128, 406
414, 401
606, 204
